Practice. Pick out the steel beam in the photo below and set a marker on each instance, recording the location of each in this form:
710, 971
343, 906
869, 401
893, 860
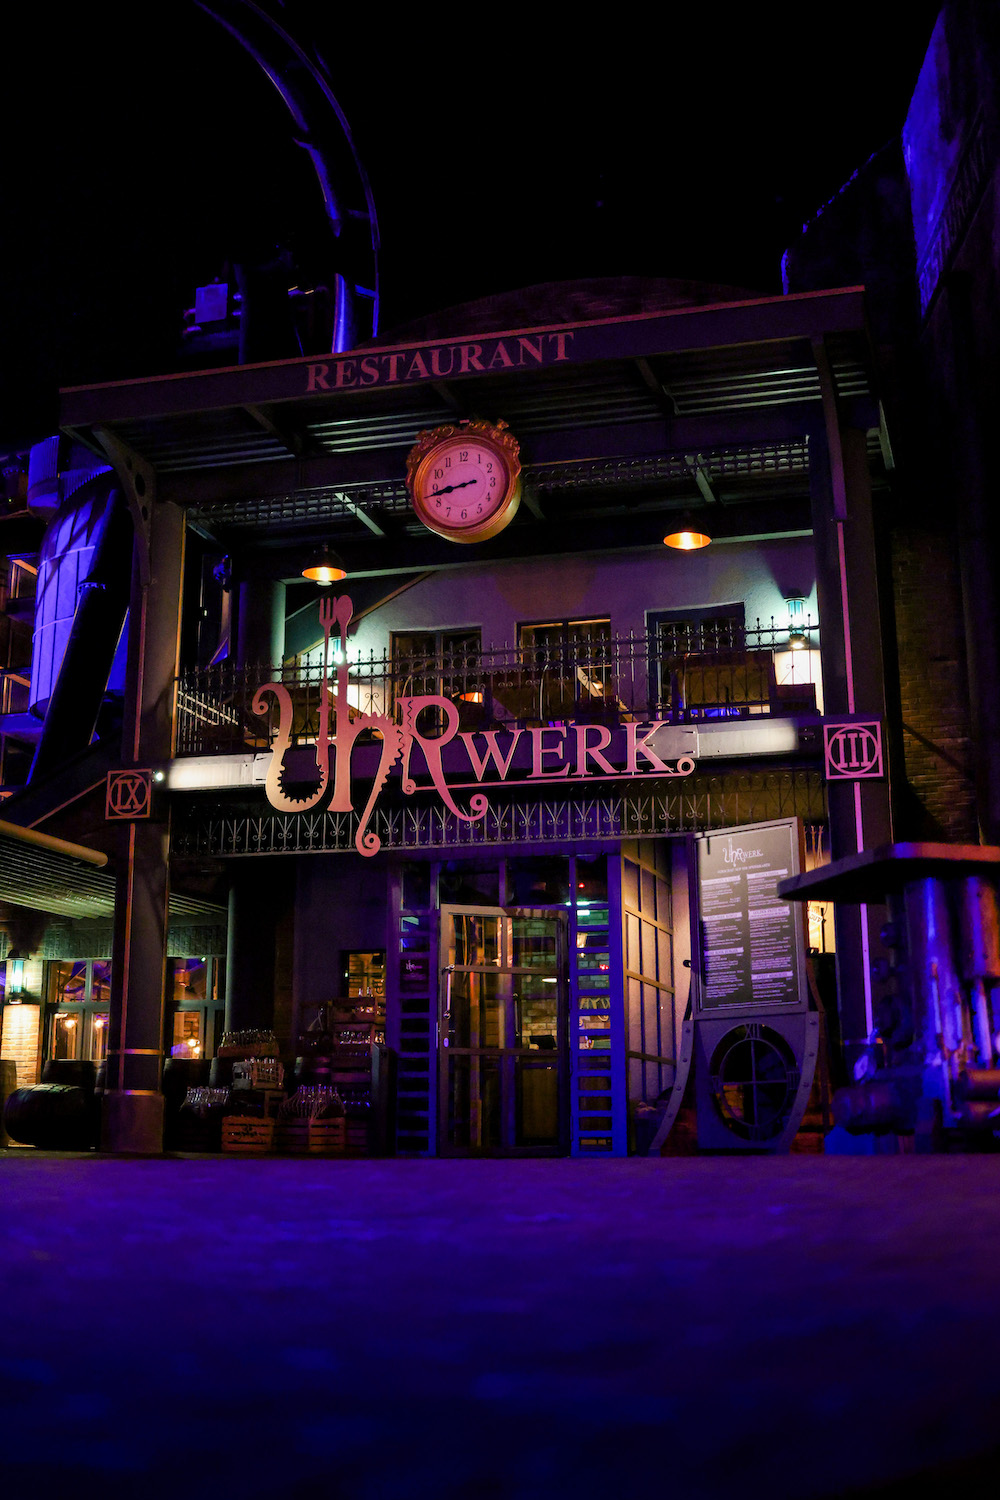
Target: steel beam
699, 803
765, 321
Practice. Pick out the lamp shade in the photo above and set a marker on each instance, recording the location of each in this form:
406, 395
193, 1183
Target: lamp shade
687, 540
325, 568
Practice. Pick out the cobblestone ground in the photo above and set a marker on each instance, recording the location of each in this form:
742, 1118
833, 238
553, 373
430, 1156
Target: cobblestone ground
799, 1327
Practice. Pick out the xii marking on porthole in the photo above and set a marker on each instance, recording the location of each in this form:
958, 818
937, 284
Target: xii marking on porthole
129, 795
853, 751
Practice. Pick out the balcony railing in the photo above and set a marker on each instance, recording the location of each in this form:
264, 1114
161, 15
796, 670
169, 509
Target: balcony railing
684, 674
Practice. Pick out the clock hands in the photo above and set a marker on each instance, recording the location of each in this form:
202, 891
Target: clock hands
447, 488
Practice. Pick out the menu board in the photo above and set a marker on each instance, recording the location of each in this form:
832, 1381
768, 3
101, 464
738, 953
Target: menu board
751, 940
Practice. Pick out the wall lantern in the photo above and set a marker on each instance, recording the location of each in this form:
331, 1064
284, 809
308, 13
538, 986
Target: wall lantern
797, 635
15, 980
325, 568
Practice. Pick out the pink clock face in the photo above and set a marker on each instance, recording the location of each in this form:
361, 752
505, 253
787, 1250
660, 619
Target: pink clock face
461, 486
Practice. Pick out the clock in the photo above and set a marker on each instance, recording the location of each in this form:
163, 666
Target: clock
464, 481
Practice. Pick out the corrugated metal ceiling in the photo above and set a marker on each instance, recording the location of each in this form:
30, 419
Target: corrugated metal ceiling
702, 383
53, 881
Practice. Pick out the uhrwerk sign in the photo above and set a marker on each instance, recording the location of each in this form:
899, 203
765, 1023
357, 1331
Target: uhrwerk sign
301, 778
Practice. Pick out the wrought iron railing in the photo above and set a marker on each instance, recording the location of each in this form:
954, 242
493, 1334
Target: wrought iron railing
683, 673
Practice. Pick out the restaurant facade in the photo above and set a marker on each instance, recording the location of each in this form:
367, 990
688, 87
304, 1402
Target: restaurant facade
515, 789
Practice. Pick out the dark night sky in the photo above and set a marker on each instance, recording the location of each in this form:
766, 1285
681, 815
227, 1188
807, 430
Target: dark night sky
141, 148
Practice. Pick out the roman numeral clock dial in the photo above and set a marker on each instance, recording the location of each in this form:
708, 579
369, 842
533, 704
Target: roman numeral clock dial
464, 481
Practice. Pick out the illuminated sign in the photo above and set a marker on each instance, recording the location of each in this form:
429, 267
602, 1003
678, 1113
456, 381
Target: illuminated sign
299, 778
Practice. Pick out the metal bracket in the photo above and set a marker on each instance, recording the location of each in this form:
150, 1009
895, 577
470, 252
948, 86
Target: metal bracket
679, 1089
138, 481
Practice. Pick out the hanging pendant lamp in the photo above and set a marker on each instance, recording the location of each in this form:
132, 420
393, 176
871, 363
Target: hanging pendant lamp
687, 539
325, 568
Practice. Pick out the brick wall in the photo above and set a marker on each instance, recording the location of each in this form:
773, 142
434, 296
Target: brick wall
939, 801
20, 1041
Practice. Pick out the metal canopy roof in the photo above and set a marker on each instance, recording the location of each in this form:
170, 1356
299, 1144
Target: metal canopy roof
686, 408
70, 880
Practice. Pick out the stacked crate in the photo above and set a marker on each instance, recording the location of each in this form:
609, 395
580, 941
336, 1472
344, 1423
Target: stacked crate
256, 1077
353, 1061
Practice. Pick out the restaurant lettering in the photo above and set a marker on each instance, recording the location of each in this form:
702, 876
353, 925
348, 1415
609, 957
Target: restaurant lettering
440, 362
299, 777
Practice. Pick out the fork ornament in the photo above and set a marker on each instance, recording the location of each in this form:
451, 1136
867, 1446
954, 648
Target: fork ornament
331, 612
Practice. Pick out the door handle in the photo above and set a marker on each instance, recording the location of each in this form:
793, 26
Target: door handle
448, 972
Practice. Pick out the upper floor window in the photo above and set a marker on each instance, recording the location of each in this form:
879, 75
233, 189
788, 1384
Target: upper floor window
440, 663
569, 669
683, 631
700, 665
709, 664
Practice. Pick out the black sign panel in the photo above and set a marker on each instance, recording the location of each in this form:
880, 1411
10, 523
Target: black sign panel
751, 941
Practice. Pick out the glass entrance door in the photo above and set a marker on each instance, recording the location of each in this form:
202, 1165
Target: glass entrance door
502, 1032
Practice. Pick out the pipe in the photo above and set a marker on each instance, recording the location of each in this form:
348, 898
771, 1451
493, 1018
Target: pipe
71, 713
48, 841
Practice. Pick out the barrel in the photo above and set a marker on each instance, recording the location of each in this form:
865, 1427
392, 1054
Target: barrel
313, 1070
8, 1083
76, 1072
54, 1116
979, 1084
221, 1073
980, 1114
196, 1129
179, 1075
183, 1073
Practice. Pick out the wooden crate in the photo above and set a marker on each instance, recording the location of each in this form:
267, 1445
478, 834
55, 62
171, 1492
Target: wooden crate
327, 1137
247, 1134
292, 1136
270, 1099
261, 1073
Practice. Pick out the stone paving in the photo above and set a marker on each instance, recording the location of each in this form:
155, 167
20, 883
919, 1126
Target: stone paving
796, 1327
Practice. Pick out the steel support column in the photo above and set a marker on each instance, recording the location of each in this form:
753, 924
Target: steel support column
260, 624
971, 383
257, 895
252, 905
853, 685
132, 1116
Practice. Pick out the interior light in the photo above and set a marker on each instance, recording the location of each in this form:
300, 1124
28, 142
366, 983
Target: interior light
325, 568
